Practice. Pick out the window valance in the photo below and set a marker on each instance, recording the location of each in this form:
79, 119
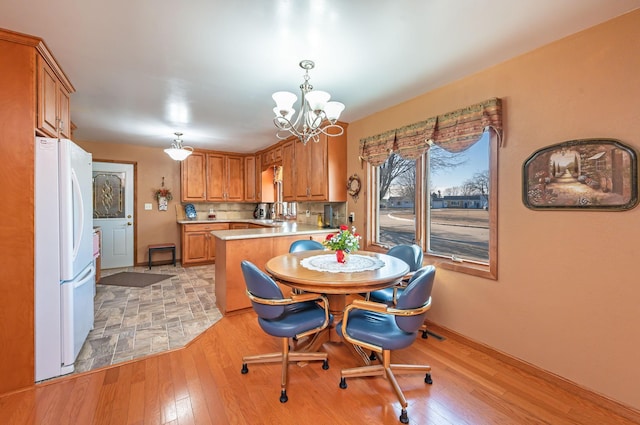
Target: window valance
454, 131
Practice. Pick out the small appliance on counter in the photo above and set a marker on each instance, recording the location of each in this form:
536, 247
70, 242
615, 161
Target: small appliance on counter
328, 216
260, 212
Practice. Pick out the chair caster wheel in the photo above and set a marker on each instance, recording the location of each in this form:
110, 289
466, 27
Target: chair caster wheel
283, 396
427, 379
325, 364
245, 369
404, 418
425, 335
343, 383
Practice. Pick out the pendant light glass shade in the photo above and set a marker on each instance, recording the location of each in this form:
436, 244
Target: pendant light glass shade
316, 115
177, 152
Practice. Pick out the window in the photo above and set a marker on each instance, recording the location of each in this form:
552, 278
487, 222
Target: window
443, 201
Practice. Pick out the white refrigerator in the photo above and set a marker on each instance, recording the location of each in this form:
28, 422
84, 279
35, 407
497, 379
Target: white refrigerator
64, 273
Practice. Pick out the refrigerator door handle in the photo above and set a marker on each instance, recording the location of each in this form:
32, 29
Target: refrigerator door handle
86, 278
80, 225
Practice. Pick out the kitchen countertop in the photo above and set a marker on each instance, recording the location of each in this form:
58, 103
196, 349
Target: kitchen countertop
269, 223
284, 229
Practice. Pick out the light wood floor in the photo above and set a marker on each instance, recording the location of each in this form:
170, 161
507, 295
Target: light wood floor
202, 384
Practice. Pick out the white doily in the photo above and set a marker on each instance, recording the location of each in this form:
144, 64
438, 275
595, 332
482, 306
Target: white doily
328, 263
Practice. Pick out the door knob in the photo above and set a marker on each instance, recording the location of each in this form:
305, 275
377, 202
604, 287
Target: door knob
129, 223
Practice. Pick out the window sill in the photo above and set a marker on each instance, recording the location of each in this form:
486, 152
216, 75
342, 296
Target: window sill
474, 269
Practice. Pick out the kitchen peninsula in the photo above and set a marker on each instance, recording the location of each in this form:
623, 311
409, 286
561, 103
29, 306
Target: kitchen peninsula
257, 245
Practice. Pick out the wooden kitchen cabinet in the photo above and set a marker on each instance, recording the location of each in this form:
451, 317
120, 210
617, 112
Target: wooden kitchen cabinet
21, 56
316, 171
288, 171
198, 245
225, 178
272, 157
212, 177
311, 171
193, 178
53, 105
253, 178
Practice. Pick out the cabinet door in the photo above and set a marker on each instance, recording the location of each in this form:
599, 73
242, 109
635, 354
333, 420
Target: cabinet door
250, 178
192, 173
211, 248
317, 170
195, 247
288, 173
301, 167
47, 99
235, 178
64, 115
216, 177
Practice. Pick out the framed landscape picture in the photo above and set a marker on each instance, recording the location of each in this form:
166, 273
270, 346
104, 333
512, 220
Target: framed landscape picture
592, 174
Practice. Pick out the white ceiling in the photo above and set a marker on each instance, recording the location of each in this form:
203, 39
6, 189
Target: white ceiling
144, 69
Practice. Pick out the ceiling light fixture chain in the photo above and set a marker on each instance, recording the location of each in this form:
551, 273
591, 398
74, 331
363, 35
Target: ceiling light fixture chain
177, 151
316, 115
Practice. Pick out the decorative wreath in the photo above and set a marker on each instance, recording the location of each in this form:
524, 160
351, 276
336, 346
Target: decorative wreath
353, 186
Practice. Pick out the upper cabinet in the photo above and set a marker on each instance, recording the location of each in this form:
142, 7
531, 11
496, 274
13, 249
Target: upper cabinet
311, 172
54, 117
212, 177
193, 178
272, 157
253, 178
315, 171
225, 177
288, 171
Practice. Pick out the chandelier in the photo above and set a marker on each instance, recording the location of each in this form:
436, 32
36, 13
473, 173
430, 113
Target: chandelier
316, 115
178, 152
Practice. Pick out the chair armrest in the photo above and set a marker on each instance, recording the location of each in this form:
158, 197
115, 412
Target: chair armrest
378, 308
367, 305
307, 296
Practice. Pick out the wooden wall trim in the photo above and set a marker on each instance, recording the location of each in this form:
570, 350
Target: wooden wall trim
553, 379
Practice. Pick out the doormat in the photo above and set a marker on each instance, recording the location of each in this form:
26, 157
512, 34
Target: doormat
133, 279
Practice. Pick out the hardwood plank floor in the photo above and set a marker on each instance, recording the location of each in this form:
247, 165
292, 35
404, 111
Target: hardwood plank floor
202, 384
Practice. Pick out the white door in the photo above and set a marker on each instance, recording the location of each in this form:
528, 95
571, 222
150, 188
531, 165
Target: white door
113, 186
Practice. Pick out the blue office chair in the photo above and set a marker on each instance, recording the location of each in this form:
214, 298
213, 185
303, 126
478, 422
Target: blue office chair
297, 316
305, 245
382, 328
412, 255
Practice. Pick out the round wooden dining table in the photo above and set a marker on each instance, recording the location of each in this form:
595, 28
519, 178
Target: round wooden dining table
288, 270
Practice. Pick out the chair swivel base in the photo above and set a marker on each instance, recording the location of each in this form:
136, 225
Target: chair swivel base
387, 369
280, 358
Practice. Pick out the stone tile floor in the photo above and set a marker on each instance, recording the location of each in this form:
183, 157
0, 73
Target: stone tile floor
135, 322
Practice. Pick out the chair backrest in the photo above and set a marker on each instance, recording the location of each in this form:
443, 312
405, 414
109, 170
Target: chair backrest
415, 295
410, 254
305, 245
262, 286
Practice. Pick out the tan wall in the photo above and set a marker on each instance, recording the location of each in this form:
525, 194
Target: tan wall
566, 298
153, 226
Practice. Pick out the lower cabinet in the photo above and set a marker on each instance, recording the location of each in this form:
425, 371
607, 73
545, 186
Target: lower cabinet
198, 245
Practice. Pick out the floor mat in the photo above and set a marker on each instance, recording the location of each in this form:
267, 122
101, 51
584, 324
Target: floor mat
133, 279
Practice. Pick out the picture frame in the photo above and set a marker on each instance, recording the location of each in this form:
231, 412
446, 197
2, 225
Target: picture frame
584, 174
